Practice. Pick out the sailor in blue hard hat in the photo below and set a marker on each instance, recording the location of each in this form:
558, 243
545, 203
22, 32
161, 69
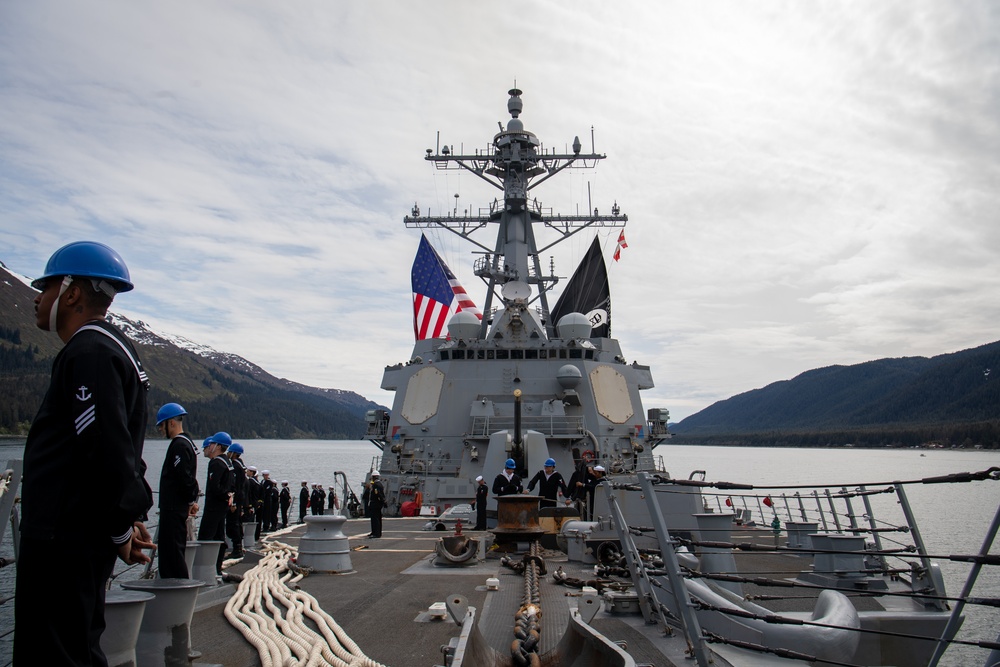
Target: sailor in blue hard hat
240, 507
218, 496
550, 484
508, 482
178, 491
94, 411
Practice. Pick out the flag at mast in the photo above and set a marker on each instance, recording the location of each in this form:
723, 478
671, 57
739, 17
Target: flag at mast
437, 293
621, 245
588, 292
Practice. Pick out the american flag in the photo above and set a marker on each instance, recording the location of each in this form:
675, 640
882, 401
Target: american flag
435, 291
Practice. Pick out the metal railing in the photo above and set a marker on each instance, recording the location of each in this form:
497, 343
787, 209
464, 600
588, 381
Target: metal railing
552, 425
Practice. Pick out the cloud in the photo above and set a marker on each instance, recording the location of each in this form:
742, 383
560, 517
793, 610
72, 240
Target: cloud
806, 184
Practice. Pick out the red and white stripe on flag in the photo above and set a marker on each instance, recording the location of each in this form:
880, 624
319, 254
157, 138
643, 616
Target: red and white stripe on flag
429, 316
621, 244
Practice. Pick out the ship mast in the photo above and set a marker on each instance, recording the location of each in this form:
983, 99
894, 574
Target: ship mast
515, 164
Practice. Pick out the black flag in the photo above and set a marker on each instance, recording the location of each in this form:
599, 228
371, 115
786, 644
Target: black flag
588, 292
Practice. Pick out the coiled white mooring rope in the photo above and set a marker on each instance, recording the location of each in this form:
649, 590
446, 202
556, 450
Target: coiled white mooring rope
271, 616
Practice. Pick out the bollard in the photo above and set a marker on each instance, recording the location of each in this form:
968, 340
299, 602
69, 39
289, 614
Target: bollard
715, 527
164, 636
123, 612
249, 533
205, 556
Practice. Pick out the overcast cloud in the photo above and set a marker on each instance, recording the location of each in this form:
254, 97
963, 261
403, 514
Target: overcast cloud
807, 183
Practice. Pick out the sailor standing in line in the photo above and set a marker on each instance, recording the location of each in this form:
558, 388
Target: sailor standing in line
267, 504
234, 519
93, 415
314, 501
481, 492
275, 496
255, 498
286, 502
376, 501
322, 499
218, 493
508, 482
303, 501
178, 491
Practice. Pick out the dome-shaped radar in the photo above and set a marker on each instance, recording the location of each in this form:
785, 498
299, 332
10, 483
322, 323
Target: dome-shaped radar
574, 325
515, 125
569, 376
464, 325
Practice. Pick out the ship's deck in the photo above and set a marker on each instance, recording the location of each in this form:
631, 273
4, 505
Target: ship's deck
383, 604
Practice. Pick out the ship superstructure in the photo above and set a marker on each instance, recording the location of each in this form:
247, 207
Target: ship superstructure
515, 384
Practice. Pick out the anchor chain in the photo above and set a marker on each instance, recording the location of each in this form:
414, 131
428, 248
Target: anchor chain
527, 620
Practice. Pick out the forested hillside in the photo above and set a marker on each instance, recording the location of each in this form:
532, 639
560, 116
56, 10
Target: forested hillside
953, 399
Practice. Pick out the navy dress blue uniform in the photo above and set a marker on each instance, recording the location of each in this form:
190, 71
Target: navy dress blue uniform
286, 502
376, 501
548, 487
93, 420
236, 514
303, 502
178, 489
218, 495
507, 486
274, 496
482, 491
314, 501
266, 505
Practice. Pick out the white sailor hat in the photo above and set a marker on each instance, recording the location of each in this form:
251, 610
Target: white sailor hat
252, 468
598, 468
265, 472
479, 478
284, 482
375, 473
305, 481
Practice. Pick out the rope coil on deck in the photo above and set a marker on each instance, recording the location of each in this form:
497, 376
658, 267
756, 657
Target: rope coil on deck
272, 617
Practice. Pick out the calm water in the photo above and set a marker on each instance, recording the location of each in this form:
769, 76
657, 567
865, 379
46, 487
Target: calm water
953, 517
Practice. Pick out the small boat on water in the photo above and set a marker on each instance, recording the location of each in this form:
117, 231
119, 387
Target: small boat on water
643, 568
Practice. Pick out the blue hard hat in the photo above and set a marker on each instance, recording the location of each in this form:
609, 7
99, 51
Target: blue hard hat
510, 464
550, 463
222, 438
87, 259
236, 448
208, 441
169, 411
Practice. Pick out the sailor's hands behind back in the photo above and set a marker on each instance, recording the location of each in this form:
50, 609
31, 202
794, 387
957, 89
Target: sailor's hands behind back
132, 551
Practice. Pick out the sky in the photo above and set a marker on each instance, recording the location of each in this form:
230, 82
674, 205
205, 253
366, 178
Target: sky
807, 183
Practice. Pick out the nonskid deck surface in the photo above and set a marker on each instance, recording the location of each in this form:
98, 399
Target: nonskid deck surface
383, 604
